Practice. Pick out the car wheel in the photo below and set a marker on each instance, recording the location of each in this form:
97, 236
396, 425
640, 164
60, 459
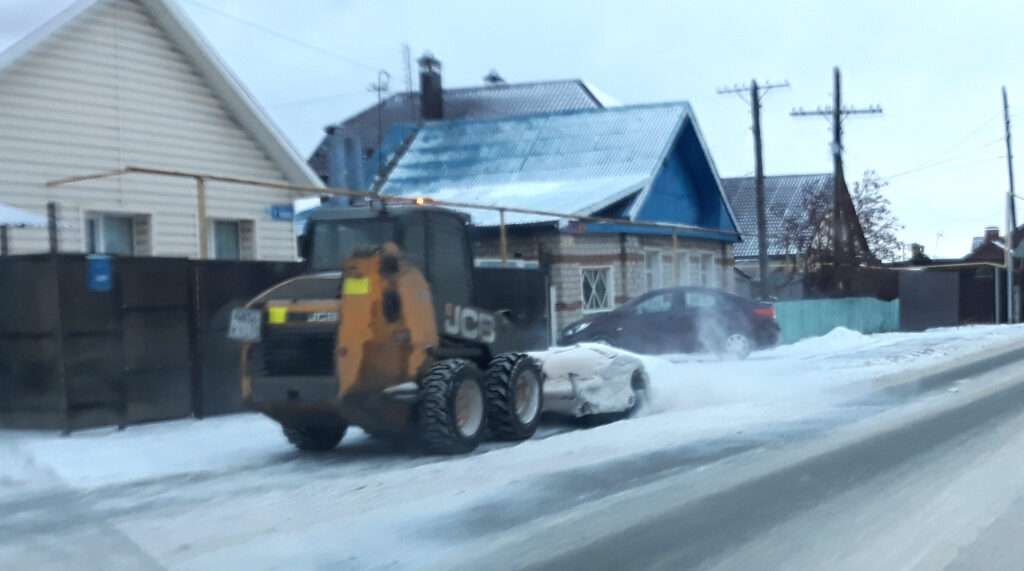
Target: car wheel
736, 346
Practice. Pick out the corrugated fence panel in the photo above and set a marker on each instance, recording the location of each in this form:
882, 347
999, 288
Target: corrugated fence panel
811, 317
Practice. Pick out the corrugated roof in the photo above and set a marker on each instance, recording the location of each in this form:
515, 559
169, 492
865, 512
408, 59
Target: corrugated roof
784, 198
481, 102
574, 162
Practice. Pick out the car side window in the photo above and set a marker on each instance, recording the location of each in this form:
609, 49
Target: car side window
700, 300
660, 303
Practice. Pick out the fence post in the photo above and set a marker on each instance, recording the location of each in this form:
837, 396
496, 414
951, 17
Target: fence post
195, 340
58, 339
51, 225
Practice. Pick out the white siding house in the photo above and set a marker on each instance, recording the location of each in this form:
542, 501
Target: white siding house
115, 83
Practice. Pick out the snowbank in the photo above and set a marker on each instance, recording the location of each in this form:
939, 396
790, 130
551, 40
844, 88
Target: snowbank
692, 397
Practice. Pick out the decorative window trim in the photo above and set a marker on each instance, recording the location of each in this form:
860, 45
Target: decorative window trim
609, 288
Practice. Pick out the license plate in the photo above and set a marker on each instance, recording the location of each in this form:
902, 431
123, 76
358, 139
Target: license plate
245, 324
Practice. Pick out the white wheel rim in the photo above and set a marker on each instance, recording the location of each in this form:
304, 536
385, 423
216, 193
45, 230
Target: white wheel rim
469, 407
527, 394
737, 344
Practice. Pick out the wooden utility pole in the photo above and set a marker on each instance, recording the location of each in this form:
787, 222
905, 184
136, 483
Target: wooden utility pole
1011, 216
756, 94
837, 113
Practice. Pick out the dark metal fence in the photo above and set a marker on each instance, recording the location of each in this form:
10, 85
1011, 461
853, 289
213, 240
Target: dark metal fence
152, 347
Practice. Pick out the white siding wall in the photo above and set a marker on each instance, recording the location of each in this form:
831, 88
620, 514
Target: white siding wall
111, 90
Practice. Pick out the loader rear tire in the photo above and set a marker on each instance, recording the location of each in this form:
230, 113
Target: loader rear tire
515, 396
315, 437
451, 412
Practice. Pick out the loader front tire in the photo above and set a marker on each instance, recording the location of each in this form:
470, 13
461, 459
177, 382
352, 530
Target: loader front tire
315, 437
451, 412
515, 396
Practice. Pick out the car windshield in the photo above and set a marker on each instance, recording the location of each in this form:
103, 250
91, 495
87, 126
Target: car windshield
333, 242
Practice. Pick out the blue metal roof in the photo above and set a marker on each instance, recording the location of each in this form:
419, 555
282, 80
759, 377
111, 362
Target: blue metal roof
640, 162
574, 162
479, 102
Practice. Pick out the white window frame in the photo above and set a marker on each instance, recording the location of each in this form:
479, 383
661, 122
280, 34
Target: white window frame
653, 276
668, 270
693, 278
212, 233
246, 250
98, 219
707, 270
682, 265
609, 288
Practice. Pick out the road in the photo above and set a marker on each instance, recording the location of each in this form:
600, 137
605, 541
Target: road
922, 471
942, 489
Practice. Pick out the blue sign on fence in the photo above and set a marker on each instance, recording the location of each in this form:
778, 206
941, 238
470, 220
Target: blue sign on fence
281, 212
99, 273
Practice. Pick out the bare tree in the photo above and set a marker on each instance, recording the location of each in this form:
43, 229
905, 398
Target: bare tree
806, 233
875, 213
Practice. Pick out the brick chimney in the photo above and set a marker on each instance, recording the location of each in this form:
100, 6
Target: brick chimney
431, 93
991, 233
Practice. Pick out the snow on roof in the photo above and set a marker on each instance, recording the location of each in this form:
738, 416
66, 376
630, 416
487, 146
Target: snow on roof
560, 196
478, 102
784, 198
572, 162
10, 216
187, 38
602, 96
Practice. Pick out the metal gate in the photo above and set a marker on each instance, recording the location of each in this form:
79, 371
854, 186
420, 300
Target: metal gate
150, 347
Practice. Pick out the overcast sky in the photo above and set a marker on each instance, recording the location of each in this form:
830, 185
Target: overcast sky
935, 67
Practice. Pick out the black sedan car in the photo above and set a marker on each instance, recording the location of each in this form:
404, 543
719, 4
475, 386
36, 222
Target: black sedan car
681, 320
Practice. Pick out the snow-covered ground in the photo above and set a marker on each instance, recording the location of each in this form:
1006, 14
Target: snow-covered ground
239, 476
692, 396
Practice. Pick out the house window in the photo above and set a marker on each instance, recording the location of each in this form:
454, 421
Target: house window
110, 234
682, 273
598, 292
652, 269
694, 275
227, 242
232, 240
705, 270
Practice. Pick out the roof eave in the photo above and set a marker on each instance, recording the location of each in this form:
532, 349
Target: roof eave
237, 98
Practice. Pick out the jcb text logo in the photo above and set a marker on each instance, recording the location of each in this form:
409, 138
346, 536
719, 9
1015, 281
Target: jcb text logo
469, 323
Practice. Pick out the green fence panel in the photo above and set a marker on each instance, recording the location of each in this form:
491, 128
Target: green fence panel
811, 317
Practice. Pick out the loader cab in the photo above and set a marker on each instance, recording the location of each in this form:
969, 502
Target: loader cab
435, 239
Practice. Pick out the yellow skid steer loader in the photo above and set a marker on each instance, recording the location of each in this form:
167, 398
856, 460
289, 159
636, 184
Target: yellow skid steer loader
392, 342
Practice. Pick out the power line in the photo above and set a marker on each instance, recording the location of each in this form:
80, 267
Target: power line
963, 140
316, 99
943, 161
936, 164
280, 36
